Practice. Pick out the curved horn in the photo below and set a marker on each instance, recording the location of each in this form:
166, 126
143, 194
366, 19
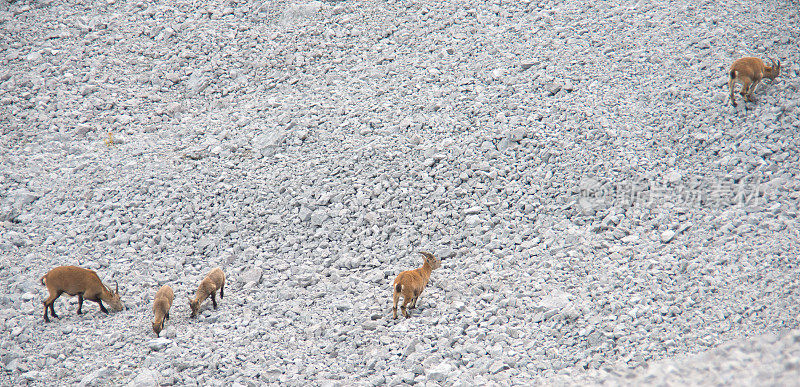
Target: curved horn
117, 286
773, 62
426, 254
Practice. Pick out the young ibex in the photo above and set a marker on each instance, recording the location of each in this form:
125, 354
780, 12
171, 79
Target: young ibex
749, 72
78, 281
161, 305
214, 280
410, 283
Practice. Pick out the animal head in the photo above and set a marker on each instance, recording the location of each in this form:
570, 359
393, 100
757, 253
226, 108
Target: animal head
115, 302
194, 304
774, 71
158, 327
432, 261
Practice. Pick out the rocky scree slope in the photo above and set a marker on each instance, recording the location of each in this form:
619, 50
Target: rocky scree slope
598, 203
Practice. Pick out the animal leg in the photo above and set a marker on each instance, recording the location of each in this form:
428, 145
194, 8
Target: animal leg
745, 88
166, 316
752, 90
48, 303
214, 299
395, 299
403, 307
222, 292
80, 302
102, 308
730, 88
414, 300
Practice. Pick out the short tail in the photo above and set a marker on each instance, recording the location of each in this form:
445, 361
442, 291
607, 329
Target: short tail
398, 288
733, 74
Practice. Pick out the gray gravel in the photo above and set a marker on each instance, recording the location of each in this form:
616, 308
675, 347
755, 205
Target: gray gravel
600, 207
765, 359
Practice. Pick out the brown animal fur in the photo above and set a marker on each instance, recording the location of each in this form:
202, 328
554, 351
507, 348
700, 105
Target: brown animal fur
214, 280
411, 283
78, 281
161, 305
749, 72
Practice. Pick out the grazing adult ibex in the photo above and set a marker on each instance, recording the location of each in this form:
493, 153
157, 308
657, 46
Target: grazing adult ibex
214, 280
411, 283
161, 306
78, 281
749, 72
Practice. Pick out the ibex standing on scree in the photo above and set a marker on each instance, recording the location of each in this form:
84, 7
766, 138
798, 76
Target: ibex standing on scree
161, 305
749, 72
77, 281
411, 283
214, 280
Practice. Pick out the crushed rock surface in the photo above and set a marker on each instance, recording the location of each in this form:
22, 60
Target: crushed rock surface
602, 211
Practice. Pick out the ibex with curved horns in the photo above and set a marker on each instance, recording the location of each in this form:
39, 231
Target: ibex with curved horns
77, 281
749, 72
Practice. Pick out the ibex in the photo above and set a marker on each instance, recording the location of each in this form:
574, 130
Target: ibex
161, 305
78, 281
749, 72
214, 280
410, 283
